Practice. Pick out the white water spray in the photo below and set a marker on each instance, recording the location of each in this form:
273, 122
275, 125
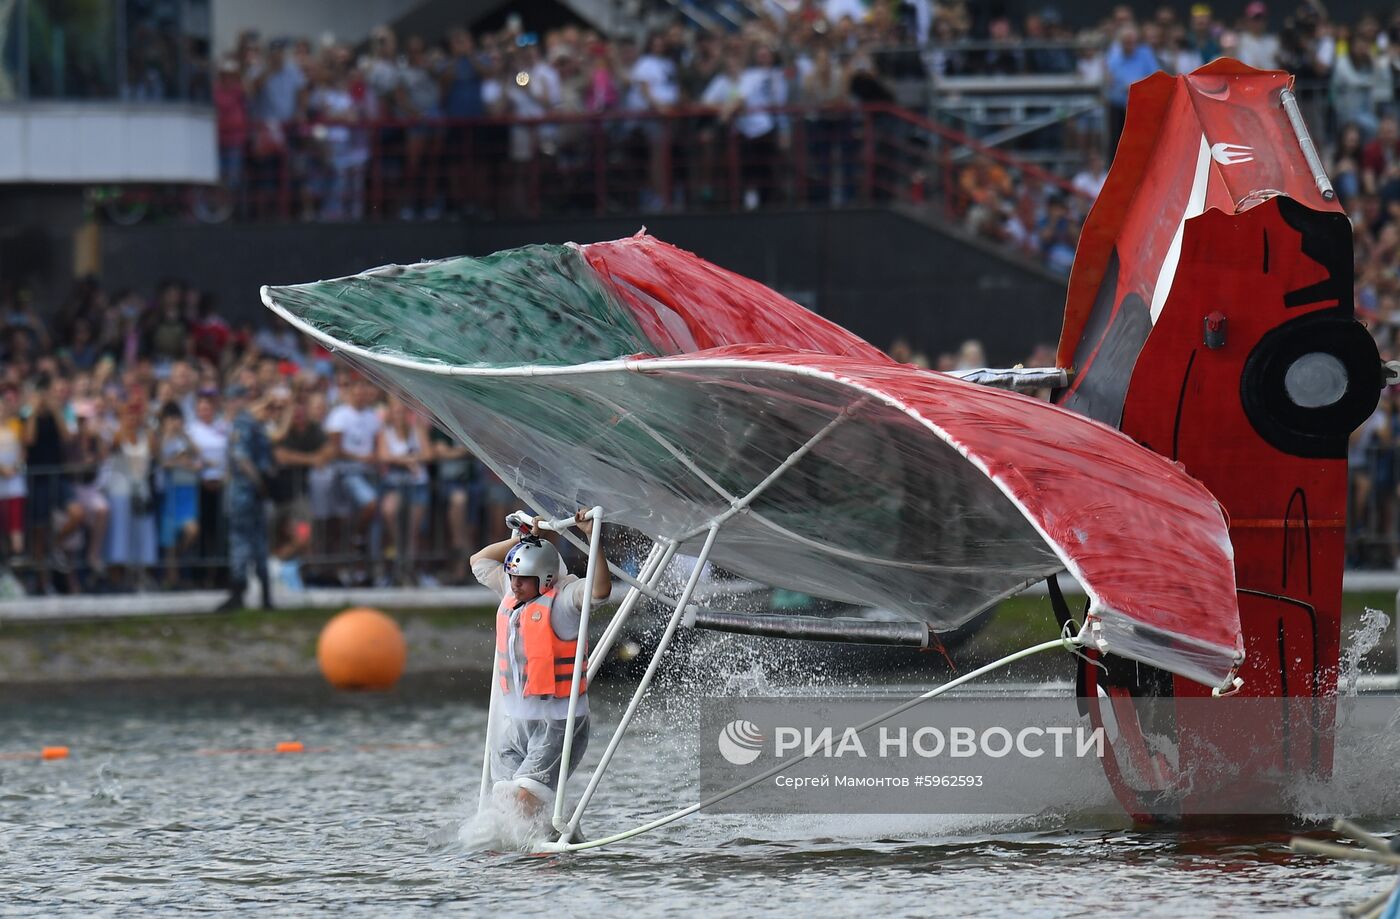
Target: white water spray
503, 825
1360, 642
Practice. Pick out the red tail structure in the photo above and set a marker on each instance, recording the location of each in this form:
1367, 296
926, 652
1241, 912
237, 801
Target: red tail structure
1210, 318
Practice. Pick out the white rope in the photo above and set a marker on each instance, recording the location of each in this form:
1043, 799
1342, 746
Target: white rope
1070, 630
1067, 643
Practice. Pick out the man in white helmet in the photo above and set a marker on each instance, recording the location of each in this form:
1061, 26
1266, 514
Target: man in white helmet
537, 634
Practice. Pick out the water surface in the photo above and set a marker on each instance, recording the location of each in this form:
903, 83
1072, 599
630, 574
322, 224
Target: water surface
153, 814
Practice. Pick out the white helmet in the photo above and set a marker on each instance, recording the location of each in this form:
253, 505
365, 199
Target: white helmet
533, 557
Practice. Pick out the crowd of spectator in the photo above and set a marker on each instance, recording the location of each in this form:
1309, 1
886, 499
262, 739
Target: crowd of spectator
116, 457
360, 467
322, 112
1347, 73
331, 132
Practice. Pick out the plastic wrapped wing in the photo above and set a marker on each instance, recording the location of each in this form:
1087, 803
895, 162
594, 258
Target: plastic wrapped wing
638, 377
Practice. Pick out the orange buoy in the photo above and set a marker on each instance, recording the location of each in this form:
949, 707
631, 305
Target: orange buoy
290, 746
361, 648
54, 753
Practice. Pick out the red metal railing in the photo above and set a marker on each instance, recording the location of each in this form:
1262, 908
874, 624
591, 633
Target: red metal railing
688, 159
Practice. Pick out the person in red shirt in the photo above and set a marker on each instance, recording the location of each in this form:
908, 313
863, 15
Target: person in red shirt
211, 333
1380, 156
231, 110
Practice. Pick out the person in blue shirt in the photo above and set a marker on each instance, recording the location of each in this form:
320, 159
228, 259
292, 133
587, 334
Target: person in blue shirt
250, 469
1128, 61
467, 144
460, 78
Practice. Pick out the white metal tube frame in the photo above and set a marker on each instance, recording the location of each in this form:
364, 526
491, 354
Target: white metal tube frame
580, 659
1066, 642
737, 505
490, 730
567, 831
680, 607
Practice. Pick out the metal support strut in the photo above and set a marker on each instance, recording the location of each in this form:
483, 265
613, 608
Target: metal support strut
1305, 143
567, 831
645, 584
595, 552
1070, 643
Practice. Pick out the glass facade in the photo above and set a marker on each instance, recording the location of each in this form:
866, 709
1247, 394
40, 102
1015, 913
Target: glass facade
132, 50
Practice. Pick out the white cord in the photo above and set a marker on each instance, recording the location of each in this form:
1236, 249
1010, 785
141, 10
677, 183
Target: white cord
1072, 644
1063, 643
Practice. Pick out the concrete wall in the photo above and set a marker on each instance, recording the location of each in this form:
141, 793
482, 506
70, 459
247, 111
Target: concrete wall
876, 272
107, 142
37, 227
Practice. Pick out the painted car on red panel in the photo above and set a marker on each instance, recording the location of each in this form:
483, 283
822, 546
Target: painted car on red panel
1210, 318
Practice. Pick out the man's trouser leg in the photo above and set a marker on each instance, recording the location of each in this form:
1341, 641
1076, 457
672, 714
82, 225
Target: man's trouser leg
241, 549
258, 539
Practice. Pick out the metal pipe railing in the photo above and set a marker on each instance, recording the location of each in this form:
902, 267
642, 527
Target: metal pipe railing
83, 529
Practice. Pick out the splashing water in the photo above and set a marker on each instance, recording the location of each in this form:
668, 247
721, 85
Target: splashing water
751, 682
502, 824
1360, 642
107, 790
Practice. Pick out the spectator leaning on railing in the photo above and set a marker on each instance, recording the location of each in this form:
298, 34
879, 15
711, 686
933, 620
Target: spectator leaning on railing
353, 429
402, 449
209, 434
179, 466
131, 534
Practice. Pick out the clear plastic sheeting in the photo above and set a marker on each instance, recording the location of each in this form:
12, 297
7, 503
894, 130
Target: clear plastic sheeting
1016, 379
835, 472
877, 512
1141, 641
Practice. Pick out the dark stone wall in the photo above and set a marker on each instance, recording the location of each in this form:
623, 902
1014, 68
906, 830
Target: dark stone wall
37, 223
877, 272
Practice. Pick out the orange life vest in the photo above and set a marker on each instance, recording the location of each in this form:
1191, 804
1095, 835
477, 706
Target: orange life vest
549, 659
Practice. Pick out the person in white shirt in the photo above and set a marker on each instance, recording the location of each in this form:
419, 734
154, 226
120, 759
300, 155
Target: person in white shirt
762, 87
653, 86
209, 435
532, 91
1090, 179
723, 93
402, 453
537, 631
1258, 48
339, 116
353, 430
837, 10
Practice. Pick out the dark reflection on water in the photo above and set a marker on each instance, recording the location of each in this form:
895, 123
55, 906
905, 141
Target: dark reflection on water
144, 818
